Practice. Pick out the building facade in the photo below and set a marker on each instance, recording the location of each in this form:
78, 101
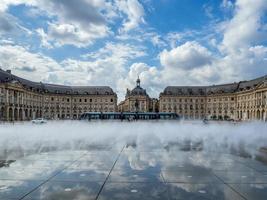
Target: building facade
21, 99
137, 100
245, 100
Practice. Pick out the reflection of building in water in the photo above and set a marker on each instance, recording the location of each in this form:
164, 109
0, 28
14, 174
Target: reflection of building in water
21, 99
245, 100
137, 100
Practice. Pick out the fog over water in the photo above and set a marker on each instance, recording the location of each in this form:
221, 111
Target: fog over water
21, 139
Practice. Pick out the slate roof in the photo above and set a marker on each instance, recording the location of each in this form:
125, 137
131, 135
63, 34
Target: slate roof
225, 88
245, 85
214, 89
56, 89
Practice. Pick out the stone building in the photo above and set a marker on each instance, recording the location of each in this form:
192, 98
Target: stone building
21, 99
137, 100
245, 100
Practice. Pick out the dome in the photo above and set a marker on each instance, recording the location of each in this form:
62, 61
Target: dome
137, 91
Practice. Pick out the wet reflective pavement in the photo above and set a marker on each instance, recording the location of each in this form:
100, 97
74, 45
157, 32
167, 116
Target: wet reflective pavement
131, 173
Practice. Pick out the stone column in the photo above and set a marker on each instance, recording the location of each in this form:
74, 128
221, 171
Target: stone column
7, 113
23, 114
13, 114
33, 114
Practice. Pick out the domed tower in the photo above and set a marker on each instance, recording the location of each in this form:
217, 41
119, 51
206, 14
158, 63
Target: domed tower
136, 100
138, 82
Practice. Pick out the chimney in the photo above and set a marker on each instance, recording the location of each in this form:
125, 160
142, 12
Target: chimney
8, 71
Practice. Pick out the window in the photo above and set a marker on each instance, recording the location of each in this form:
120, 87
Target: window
111, 100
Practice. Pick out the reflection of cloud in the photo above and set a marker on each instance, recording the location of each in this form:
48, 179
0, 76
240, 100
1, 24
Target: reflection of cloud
33, 168
190, 188
141, 161
258, 186
73, 191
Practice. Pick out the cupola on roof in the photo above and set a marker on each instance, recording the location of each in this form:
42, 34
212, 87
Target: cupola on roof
137, 91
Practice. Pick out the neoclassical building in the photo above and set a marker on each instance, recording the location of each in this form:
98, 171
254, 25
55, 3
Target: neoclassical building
245, 100
137, 100
21, 99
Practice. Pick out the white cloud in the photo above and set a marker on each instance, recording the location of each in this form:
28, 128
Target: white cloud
242, 54
107, 68
237, 50
118, 50
227, 4
62, 34
208, 9
187, 56
134, 11
244, 29
149, 75
78, 24
44, 38
157, 40
6, 3
20, 60
173, 38
9, 25
239, 54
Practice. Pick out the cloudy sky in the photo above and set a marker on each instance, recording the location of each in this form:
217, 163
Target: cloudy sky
111, 42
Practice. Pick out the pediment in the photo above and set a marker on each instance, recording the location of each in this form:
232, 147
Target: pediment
262, 85
16, 84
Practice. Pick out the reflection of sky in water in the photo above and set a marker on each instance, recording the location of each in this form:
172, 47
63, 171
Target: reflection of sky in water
134, 165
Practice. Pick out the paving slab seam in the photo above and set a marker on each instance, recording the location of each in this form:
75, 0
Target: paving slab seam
259, 171
241, 195
38, 186
102, 186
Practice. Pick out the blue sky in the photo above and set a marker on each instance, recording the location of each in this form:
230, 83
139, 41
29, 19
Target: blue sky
111, 42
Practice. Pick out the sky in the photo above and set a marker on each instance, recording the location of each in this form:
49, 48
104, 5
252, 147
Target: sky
112, 42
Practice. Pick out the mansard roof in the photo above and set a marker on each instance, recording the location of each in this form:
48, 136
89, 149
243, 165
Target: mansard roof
214, 89
56, 89
184, 90
224, 88
246, 85
93, 90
